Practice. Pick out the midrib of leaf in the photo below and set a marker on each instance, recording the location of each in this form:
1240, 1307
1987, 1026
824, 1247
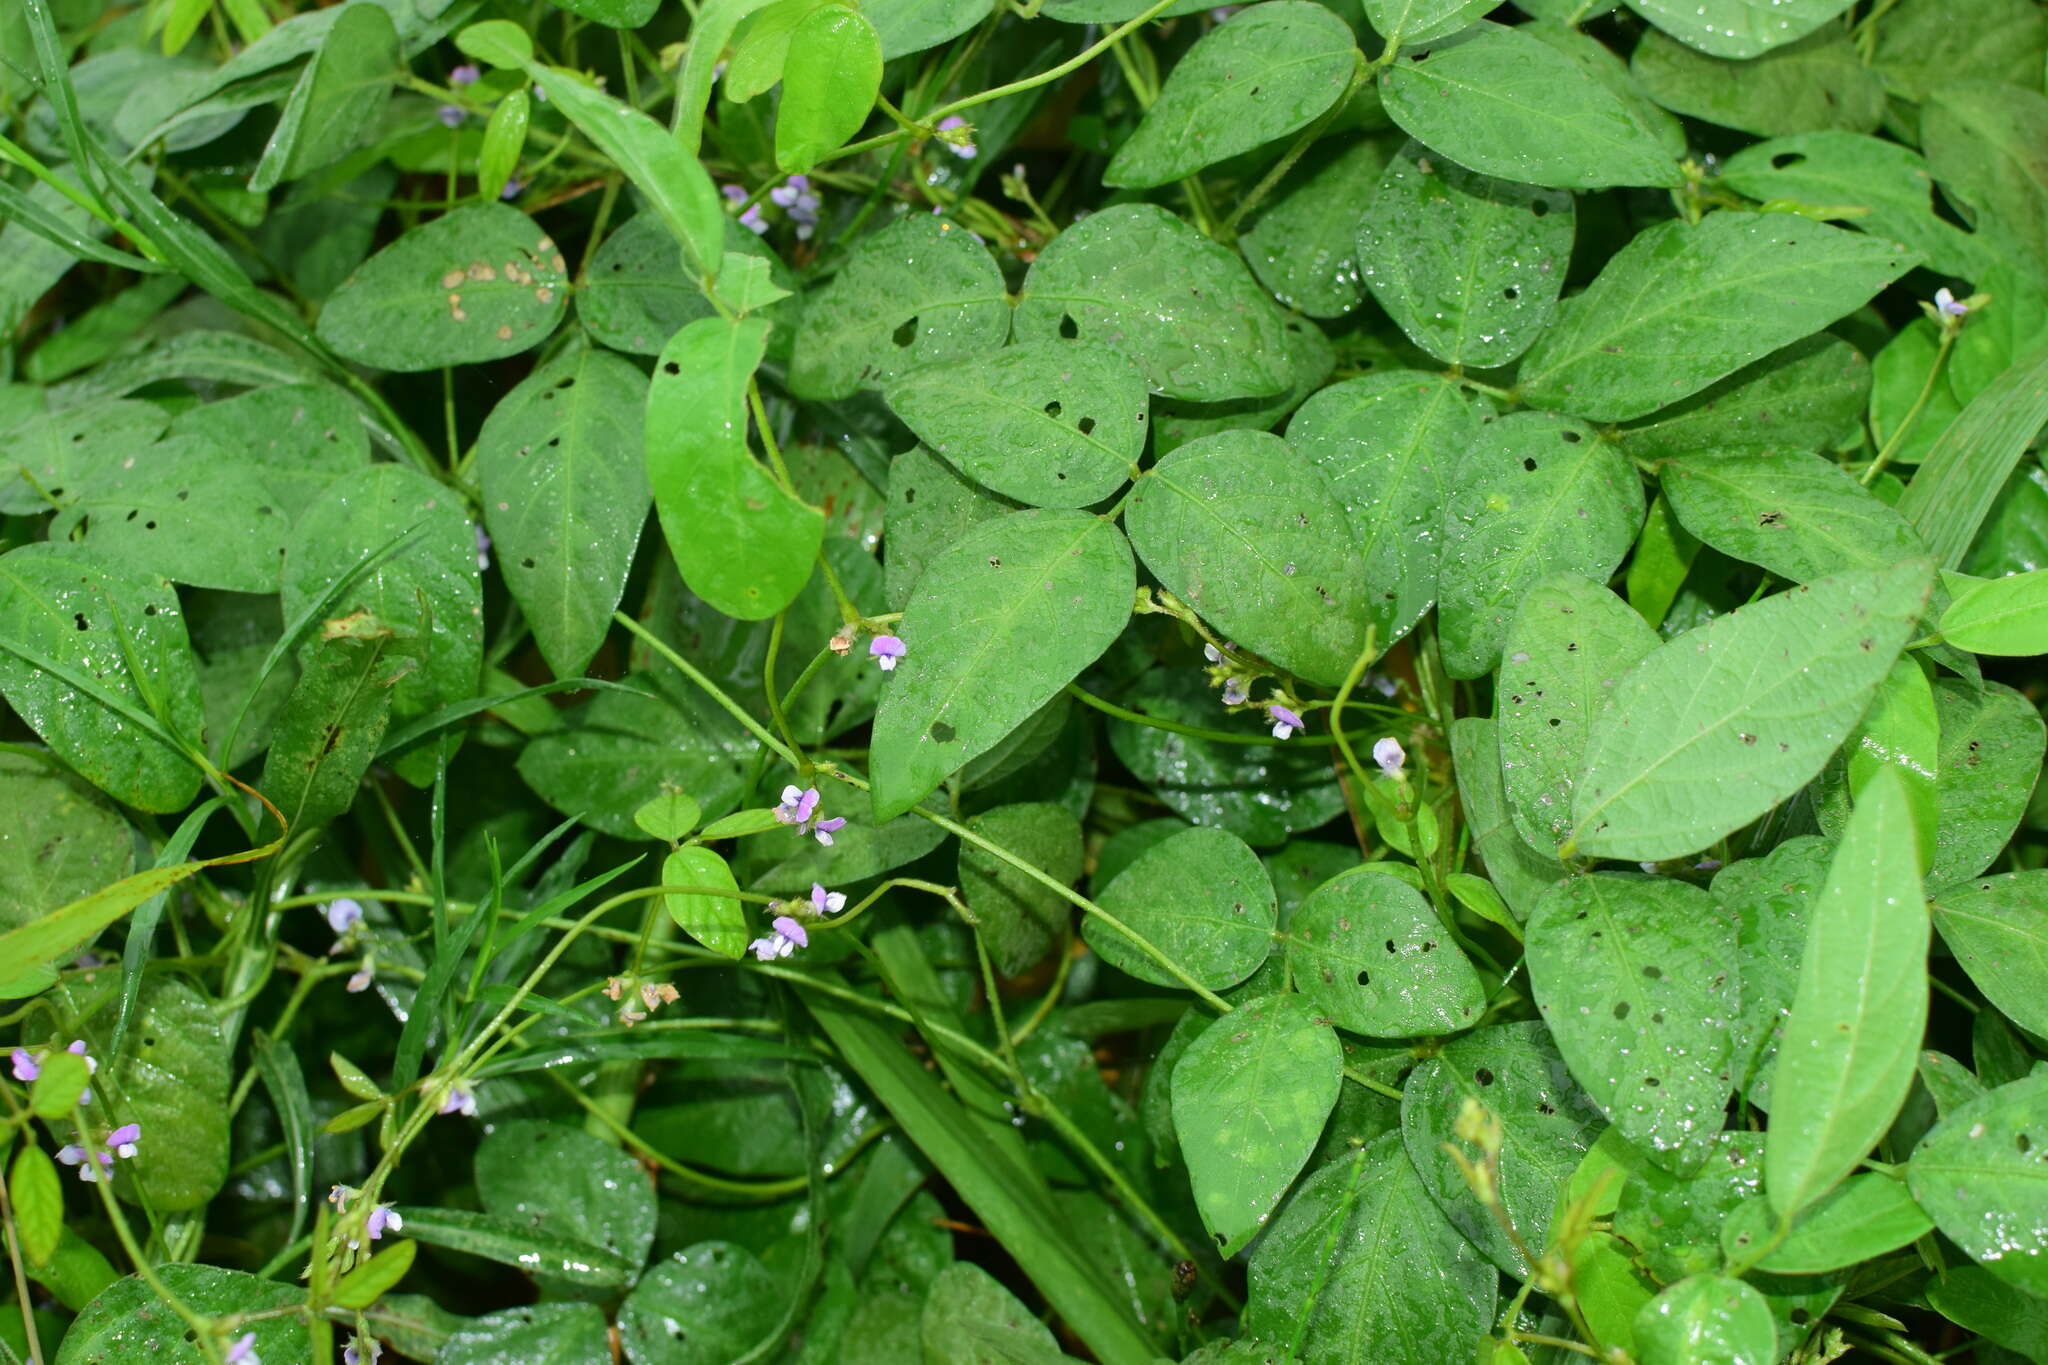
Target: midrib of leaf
1810, 515
1530, 541
1523, 111
1188, 132
1299, 591
1004, 400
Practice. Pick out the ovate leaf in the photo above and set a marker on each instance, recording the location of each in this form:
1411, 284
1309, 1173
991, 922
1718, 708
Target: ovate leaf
1017, 916
1738, 28
1772, 899
716, 921
1818, 83
333, 723
1369, 952
1998, 932
833, 73
1798, 515
1979, 1175
2006, 616
128, 1324
1707, 1320
340, 95
1202, 899
564, 1181
1518, 872
1861, 1219
1304, 247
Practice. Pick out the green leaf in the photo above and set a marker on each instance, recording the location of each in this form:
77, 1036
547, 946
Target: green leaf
1503, 103
477, 284
1138, 279
1368, 952
333, 725
1962, 475
1360, 1265
1992, 740
1537, 494
57, 1088
1388, 444
761, 47
1250, 1097
1818, 83
545, 1334
1994, 927
1706, 1320
500, 42
1304, 245
1310, 358
1635, 977
565, 493
561, 1180
340, 95
1267, 71
2000, 616
717, 922
64, 840
1568, 646
1803, 397
620, 751
1738, 28
1411, 23
1979, 1175
1000, 622
1051, 424
970, 1318
1246, 531
1676, 1221
909, 26
833, 73
127, 1324
744, 544
1772, 899
1684, 304
1261, 793
1856, 1025
668, 817
504, 140
1468, 266
638, 294
517, 1243
1519, 873
1860, 1220
38, 1198
298, 437
171, 1076
1799, 516
1019, 917
1977, 1301
1548, 1124
127, 630
427, 591
370, 1279
1202, 898
1719, 725
1920, 46
1983, 142
57, 455
918, 292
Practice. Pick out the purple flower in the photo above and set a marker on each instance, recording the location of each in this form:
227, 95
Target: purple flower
962, 148
483, 549
825, 902
25, 1068
353, 1355
243, 1352
825, 829
1389, 755
469, 73
124, 1138
787, 938
1285, 722
343, 915
802, 204
751, 219
94, 1164
513, 189
382, 1216
1234, 692
451, 116
797, 806
360, 982
887, 649
461, 1100
1949, 304
1212, 654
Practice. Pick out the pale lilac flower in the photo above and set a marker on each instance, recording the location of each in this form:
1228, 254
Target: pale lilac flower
483, 549
343, 915
1235, 692
887, 650
802, 204
1222, 12
787, 938
360, 982
382, 1216
461, 1100
25, 1068
352, 1354
751, 219
1285, 722
1947, 303
513, 189
1383, 685
243, 1352
825, 902
1707, 865
1212, 654
94, 1165
1649, 868
469, 73
124, 1138
451, 116
963, 149
1388, 754
798, 805
825, 829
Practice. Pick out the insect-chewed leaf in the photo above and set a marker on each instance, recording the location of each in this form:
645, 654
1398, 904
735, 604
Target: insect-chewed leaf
1202, 898
1720, 724
128, 1324
1979, 1174
1368, 951
187, 508
1797, 515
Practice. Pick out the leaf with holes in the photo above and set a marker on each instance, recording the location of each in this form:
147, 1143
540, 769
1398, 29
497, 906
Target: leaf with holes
53, 457
999, 623
479, 283
1635, 976
1569, 645
1519, 872
743, 543
916, 293
1267, 71
1244, 529
561, 459
1250, 1096
1720, 724
1468, 266
1798, 515
299, 438
1684, 304
1984, 145
1981, 1177
127, 1323
1202, 899
1049, 423
1370, 953
1548, 1124
186, 508
638, 294
1018, 916
1857, 1021
1539, 494
1503, 103
1360, 1265
1137, 279
334, 722
125, 632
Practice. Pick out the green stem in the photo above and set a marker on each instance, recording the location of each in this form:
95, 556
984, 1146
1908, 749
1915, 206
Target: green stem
775, 714
711, 689
1359, 73
1898, 436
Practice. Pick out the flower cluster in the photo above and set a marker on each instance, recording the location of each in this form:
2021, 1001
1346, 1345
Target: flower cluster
957, 136
796, 198
787, 933
343, 917
800, 808
652, 995
28, 1066
380, 1217
96, 1163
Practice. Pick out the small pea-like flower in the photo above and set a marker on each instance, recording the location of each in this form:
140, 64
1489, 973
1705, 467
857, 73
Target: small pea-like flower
469, 73
483, 550
751, 219
243, 1352
28, 1066
1383, 684
798, 806
461, 1100
382, 1216
93, 1164
25, 1068
887, 649
825, 902
513, 189
656, 994
1390, 756
1285, 722
959, 144
788, 936
825, 829
801, 202
1212, 654
451, 116
1948, 304
342, 915
124, 1138
353, 1353
360, 982
1234, 692
842, 643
